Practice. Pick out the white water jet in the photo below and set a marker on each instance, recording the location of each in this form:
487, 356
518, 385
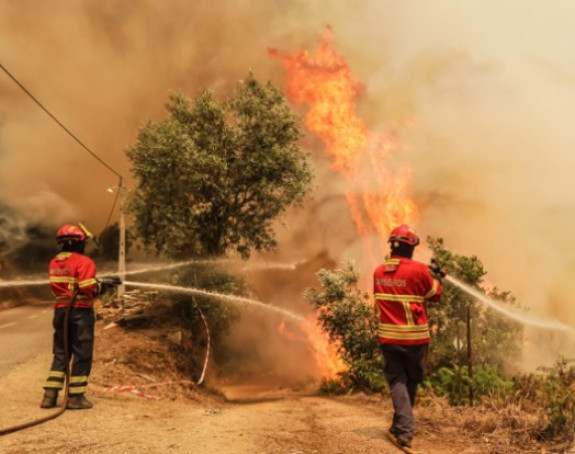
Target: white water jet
156, 268
169, 266
23, 283
521, 317
223, 296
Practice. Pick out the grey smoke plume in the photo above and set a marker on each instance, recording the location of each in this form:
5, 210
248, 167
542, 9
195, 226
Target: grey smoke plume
12, 231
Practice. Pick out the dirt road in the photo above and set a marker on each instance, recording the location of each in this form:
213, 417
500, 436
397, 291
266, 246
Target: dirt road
23, 331
126, 423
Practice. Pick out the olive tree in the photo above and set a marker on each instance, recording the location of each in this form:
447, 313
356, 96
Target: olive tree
213, 175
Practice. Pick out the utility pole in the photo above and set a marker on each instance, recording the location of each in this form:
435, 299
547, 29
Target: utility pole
122, 246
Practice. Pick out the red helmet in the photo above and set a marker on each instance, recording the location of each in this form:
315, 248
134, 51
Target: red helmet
404, 234
70, 233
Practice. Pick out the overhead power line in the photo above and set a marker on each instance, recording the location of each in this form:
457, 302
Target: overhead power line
59, 122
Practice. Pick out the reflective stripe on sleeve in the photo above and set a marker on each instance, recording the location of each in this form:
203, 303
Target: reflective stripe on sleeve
433, 290
87, 282
62, 279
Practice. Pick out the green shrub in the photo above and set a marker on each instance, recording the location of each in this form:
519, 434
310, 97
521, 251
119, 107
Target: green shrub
453, 383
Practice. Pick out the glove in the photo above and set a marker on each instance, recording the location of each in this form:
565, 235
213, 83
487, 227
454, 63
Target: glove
436, 270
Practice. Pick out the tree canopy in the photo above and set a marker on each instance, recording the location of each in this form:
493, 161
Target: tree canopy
214, 175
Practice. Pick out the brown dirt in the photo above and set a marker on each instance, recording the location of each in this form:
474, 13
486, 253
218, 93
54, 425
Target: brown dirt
171, 415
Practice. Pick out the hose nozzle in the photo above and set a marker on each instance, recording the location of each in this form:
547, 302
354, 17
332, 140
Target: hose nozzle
110, 280
436, 269
108, 284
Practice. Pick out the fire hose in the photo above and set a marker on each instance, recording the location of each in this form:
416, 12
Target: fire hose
54, 415
201, 379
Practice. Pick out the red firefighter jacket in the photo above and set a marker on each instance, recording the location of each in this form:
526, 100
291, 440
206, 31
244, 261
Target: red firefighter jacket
400, 287
70, 271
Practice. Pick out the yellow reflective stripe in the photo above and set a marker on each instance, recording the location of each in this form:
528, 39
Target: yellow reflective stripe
78, 384
406, 336
392, 262
79, 379
53, 385
59, 279
402, 298
77, 390
387, 326
56, 374
408, 313
433, 290
87, 282
55, 379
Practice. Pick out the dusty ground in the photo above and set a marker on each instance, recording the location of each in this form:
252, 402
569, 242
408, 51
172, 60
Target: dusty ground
171, 415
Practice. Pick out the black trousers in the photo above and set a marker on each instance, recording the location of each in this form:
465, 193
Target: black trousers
80, 344
403, 369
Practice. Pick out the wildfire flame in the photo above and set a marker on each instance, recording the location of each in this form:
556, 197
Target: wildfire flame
325, 352
378, 197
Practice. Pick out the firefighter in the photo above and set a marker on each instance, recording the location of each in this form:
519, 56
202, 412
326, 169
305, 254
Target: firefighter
401, 287
69, 272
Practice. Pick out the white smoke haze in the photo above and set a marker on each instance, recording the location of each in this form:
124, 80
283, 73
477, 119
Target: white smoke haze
479, 94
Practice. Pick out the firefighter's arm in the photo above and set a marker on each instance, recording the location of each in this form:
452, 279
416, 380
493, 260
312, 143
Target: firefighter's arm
434, 292
87, 283
432, 285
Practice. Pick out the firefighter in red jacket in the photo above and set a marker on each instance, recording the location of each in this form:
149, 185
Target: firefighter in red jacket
401, 287
69, 272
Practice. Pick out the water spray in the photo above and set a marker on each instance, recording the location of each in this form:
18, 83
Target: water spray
155, 268
516, 315
23, 283
223, 296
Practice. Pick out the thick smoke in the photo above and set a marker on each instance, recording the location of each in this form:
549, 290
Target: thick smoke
480, 94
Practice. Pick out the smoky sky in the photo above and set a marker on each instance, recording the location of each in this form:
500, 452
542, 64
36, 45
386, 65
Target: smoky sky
480, 94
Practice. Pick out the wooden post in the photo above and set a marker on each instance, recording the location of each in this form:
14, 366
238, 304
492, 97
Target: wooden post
469, 357
122, 246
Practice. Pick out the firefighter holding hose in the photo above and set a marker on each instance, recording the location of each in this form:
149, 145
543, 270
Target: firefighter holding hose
73, 281
401, 288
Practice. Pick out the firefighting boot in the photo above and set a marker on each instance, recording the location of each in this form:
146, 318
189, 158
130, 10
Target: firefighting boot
50, 398
78, 402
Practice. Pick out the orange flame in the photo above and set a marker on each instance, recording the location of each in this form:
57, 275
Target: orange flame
378, 197
325, 352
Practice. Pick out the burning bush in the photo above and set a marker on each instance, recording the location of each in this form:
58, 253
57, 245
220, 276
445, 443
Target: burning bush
346, 315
